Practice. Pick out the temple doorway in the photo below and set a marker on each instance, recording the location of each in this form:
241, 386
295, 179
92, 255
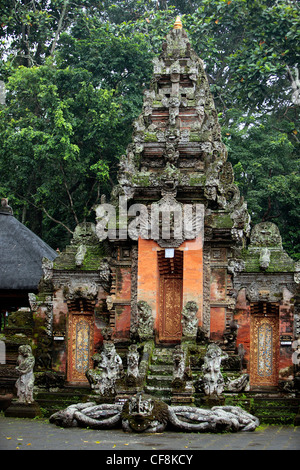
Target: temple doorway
264, 344
170, 263
80, 341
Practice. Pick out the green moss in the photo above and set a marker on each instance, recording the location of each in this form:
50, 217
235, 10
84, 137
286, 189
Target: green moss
195, 137
141, 179
67, 259
279, 261
91, 261
197, 180
92, 257
222, 220
150, 137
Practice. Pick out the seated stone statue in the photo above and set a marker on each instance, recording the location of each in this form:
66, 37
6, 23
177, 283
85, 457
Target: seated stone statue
145, 321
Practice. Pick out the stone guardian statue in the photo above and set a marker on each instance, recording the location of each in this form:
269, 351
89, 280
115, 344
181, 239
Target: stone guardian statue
109, 369
212, 380
25, 382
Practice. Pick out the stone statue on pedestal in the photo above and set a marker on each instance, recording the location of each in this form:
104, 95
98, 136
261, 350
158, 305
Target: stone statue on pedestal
110, 368
25, 382
133, 362
24, 406
212, 380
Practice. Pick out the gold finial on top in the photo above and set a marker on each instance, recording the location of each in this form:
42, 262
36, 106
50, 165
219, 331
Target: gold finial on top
178, 24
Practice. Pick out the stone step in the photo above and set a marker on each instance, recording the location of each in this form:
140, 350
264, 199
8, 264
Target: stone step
163, 393
160, 380
161, 369
52, 401
162, 359
154, 388
269, 410
166, 352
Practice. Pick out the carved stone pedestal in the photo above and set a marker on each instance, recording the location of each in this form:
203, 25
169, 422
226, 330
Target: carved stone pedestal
22, 410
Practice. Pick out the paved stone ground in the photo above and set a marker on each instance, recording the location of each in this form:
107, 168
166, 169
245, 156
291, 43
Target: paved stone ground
39, 434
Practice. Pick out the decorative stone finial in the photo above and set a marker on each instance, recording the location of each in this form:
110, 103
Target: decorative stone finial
178, 24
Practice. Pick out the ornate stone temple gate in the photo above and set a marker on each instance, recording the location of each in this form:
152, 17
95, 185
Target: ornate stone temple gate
123, 291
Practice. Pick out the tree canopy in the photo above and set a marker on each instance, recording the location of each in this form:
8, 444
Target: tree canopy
75, 72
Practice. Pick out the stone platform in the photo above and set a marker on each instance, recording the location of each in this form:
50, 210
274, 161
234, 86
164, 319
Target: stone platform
22, 410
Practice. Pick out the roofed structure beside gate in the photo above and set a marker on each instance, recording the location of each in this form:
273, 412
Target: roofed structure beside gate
21, 255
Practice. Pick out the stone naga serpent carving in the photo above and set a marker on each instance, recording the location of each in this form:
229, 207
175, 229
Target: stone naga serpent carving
143, 413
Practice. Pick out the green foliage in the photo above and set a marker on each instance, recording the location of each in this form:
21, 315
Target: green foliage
266, 165
58, 138
75, 74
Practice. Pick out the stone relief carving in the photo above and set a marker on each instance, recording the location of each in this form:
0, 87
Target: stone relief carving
265, 234
105, 274
25, 382
241, 223
133, 361
134, 283
189, 320
226, 175
206, 290
110, 302
297, 319
145, 321
47, 268
46, 306
109, 368
169, 179
80, 288
230, 335
126, 167
107, 333
297, 272
85, 234
235, 266
178, 363
171, 155
264, 289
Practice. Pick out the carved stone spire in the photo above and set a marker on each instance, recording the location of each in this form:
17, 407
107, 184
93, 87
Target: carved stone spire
177, 138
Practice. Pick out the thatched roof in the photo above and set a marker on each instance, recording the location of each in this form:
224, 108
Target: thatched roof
21, 254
